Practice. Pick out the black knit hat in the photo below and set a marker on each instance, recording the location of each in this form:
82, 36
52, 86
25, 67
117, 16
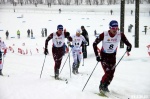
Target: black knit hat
60, 27
82, 26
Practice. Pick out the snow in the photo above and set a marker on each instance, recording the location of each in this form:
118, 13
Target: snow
131, 79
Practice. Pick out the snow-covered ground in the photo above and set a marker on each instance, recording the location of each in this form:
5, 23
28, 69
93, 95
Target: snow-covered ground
131, 79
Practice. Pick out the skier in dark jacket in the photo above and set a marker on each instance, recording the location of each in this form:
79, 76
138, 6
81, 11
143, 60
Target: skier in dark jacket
110, 40
84, 47
58, 39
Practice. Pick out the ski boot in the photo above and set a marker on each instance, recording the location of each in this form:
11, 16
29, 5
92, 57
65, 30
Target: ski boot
103, 87
77, 68
74, 71
57, 74
77, 72
1, 74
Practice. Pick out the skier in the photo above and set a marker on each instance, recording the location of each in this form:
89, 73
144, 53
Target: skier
77, 50
107, 57
58, 39
2, 46
84, 47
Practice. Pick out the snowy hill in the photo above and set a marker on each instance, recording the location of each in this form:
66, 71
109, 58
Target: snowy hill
131, 79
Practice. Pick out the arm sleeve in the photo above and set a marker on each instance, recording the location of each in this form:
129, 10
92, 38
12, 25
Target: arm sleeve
96, 42
125, 40
67, 35
47, 40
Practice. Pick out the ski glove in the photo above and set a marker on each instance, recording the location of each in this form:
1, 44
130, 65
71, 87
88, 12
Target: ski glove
128, 48
46, 51
5, 51
68, 43
98, 58
71, 46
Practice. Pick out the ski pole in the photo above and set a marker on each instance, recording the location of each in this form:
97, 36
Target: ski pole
65, 62
118, 61
69, 64
90, 76
83, 54
83, 60
3, 60
42, 66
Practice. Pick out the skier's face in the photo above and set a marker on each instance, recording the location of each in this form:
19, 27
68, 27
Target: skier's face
78, 34
113, 30
60, 31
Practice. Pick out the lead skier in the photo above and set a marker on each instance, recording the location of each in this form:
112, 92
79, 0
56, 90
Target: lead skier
110, 40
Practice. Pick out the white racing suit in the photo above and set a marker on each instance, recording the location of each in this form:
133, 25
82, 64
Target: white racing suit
77, 51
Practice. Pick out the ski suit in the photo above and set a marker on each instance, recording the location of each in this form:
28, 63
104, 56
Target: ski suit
77, 50
57, 47
108, 52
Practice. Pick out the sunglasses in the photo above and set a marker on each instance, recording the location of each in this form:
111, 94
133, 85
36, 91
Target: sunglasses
114, 28
60, 29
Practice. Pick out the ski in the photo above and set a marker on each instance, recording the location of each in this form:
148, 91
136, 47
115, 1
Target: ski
61, 79
101, 94
4, 76
108, 95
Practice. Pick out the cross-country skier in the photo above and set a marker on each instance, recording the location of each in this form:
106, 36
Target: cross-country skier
2, 47
110, 40
77, 40
58, 39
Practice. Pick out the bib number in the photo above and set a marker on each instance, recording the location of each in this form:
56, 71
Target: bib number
111, 46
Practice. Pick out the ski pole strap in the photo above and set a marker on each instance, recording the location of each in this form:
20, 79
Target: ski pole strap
118, 62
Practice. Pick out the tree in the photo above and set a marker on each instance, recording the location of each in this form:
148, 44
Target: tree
122, 20
137, 23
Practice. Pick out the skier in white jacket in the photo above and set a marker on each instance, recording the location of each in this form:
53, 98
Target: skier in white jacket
77, 40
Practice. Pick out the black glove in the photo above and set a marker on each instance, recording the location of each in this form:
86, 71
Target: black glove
46, 51
98, 58
71, 46
128, 48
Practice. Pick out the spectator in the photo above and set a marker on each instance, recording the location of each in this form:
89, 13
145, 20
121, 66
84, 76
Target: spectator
111, 11
31, 33
131, 12
42, 33
18, 34
28, 33
7, 34
59, 11
145, 29
84, 46
45, 32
